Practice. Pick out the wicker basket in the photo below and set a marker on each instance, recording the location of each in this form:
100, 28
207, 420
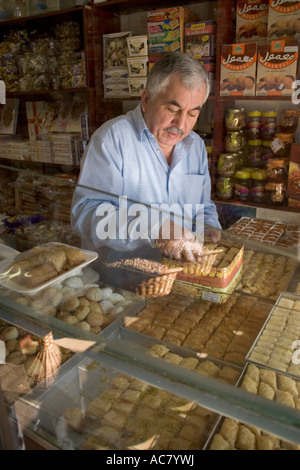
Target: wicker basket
158, 285
145, 277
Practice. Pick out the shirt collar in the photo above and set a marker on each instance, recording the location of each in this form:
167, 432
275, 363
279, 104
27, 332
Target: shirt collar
142, 129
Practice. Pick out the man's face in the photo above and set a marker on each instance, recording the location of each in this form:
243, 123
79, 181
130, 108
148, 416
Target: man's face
172, 114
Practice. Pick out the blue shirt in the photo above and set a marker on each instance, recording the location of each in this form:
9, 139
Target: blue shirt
123, 158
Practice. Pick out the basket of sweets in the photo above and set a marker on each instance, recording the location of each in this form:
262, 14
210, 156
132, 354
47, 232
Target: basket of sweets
150, 278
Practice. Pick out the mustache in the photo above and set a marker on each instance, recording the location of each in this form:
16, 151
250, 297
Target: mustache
174, 130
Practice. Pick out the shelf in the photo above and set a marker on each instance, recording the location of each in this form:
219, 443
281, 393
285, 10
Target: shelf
234, 202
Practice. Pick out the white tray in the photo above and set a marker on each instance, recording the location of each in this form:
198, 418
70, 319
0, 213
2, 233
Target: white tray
89, 256
7, 252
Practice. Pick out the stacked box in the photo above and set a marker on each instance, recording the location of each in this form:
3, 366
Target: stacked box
200, 39
284, 19
165, 30
137, 64
238, 69
36, 118
115, 74
276, 67
251, 20
65, 148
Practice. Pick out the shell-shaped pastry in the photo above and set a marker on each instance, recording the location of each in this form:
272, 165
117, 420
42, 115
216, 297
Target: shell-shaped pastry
10, 332
94, 293
107, 292
75, 282
83, 325
16, 357
81, 313
71, 304
71, 320
106, 306
115, 298
95, 319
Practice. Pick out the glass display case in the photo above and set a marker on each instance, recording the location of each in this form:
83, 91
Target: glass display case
151, 361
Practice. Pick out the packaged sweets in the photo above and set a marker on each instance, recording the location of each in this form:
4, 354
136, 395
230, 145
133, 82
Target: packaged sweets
242, 185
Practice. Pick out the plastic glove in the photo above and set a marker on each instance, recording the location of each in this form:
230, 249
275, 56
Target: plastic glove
181, 244
213, 234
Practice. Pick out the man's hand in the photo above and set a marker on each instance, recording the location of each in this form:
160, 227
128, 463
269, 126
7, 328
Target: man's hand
178, 242
213, 234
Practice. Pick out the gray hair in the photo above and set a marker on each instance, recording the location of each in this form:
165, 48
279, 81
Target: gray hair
192, 74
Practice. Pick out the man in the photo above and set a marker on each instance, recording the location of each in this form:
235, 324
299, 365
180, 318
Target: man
152, 157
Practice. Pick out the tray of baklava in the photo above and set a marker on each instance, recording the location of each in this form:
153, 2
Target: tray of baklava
278, 343
223, 331
231, 434
95, 406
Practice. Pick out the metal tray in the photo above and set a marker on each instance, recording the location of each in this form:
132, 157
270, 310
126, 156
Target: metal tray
288, 347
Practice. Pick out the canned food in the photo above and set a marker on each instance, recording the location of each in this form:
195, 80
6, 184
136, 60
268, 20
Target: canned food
242, 185
235, 119
235, 141
289, 120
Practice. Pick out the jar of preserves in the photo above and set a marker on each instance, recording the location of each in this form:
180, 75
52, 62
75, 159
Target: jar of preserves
255, 153
259, 179
235, 119
225, 187
282, 144
276, 169
242, 185
253, 125
276, 194
227, 164
267, 152
235, 141
268, 124
289, 120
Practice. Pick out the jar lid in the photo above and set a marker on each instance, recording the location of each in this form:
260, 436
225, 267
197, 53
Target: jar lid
289, 138
258, 174
291, 112
269, 113
254, 142
247, 169
243, 174
254, 113
266, 143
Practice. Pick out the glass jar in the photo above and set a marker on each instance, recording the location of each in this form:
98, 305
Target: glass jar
235, 119
255, 153
259, 179
282, 144
227, 164
267, 152
289, 120
253, 125
276, 194
276, 169
225, 187
235, 141
268, 124
242, 185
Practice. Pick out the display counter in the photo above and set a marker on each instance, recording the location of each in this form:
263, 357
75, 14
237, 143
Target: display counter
88, 365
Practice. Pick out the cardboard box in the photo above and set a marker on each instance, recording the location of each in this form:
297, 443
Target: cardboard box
137, 46
284, 19
115, 50
137, 66
36, 118
9, 116
276, 67
115, 75
251, 20
238, 69
294, 172
116, 90
200, 39
165, 30
136, 86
